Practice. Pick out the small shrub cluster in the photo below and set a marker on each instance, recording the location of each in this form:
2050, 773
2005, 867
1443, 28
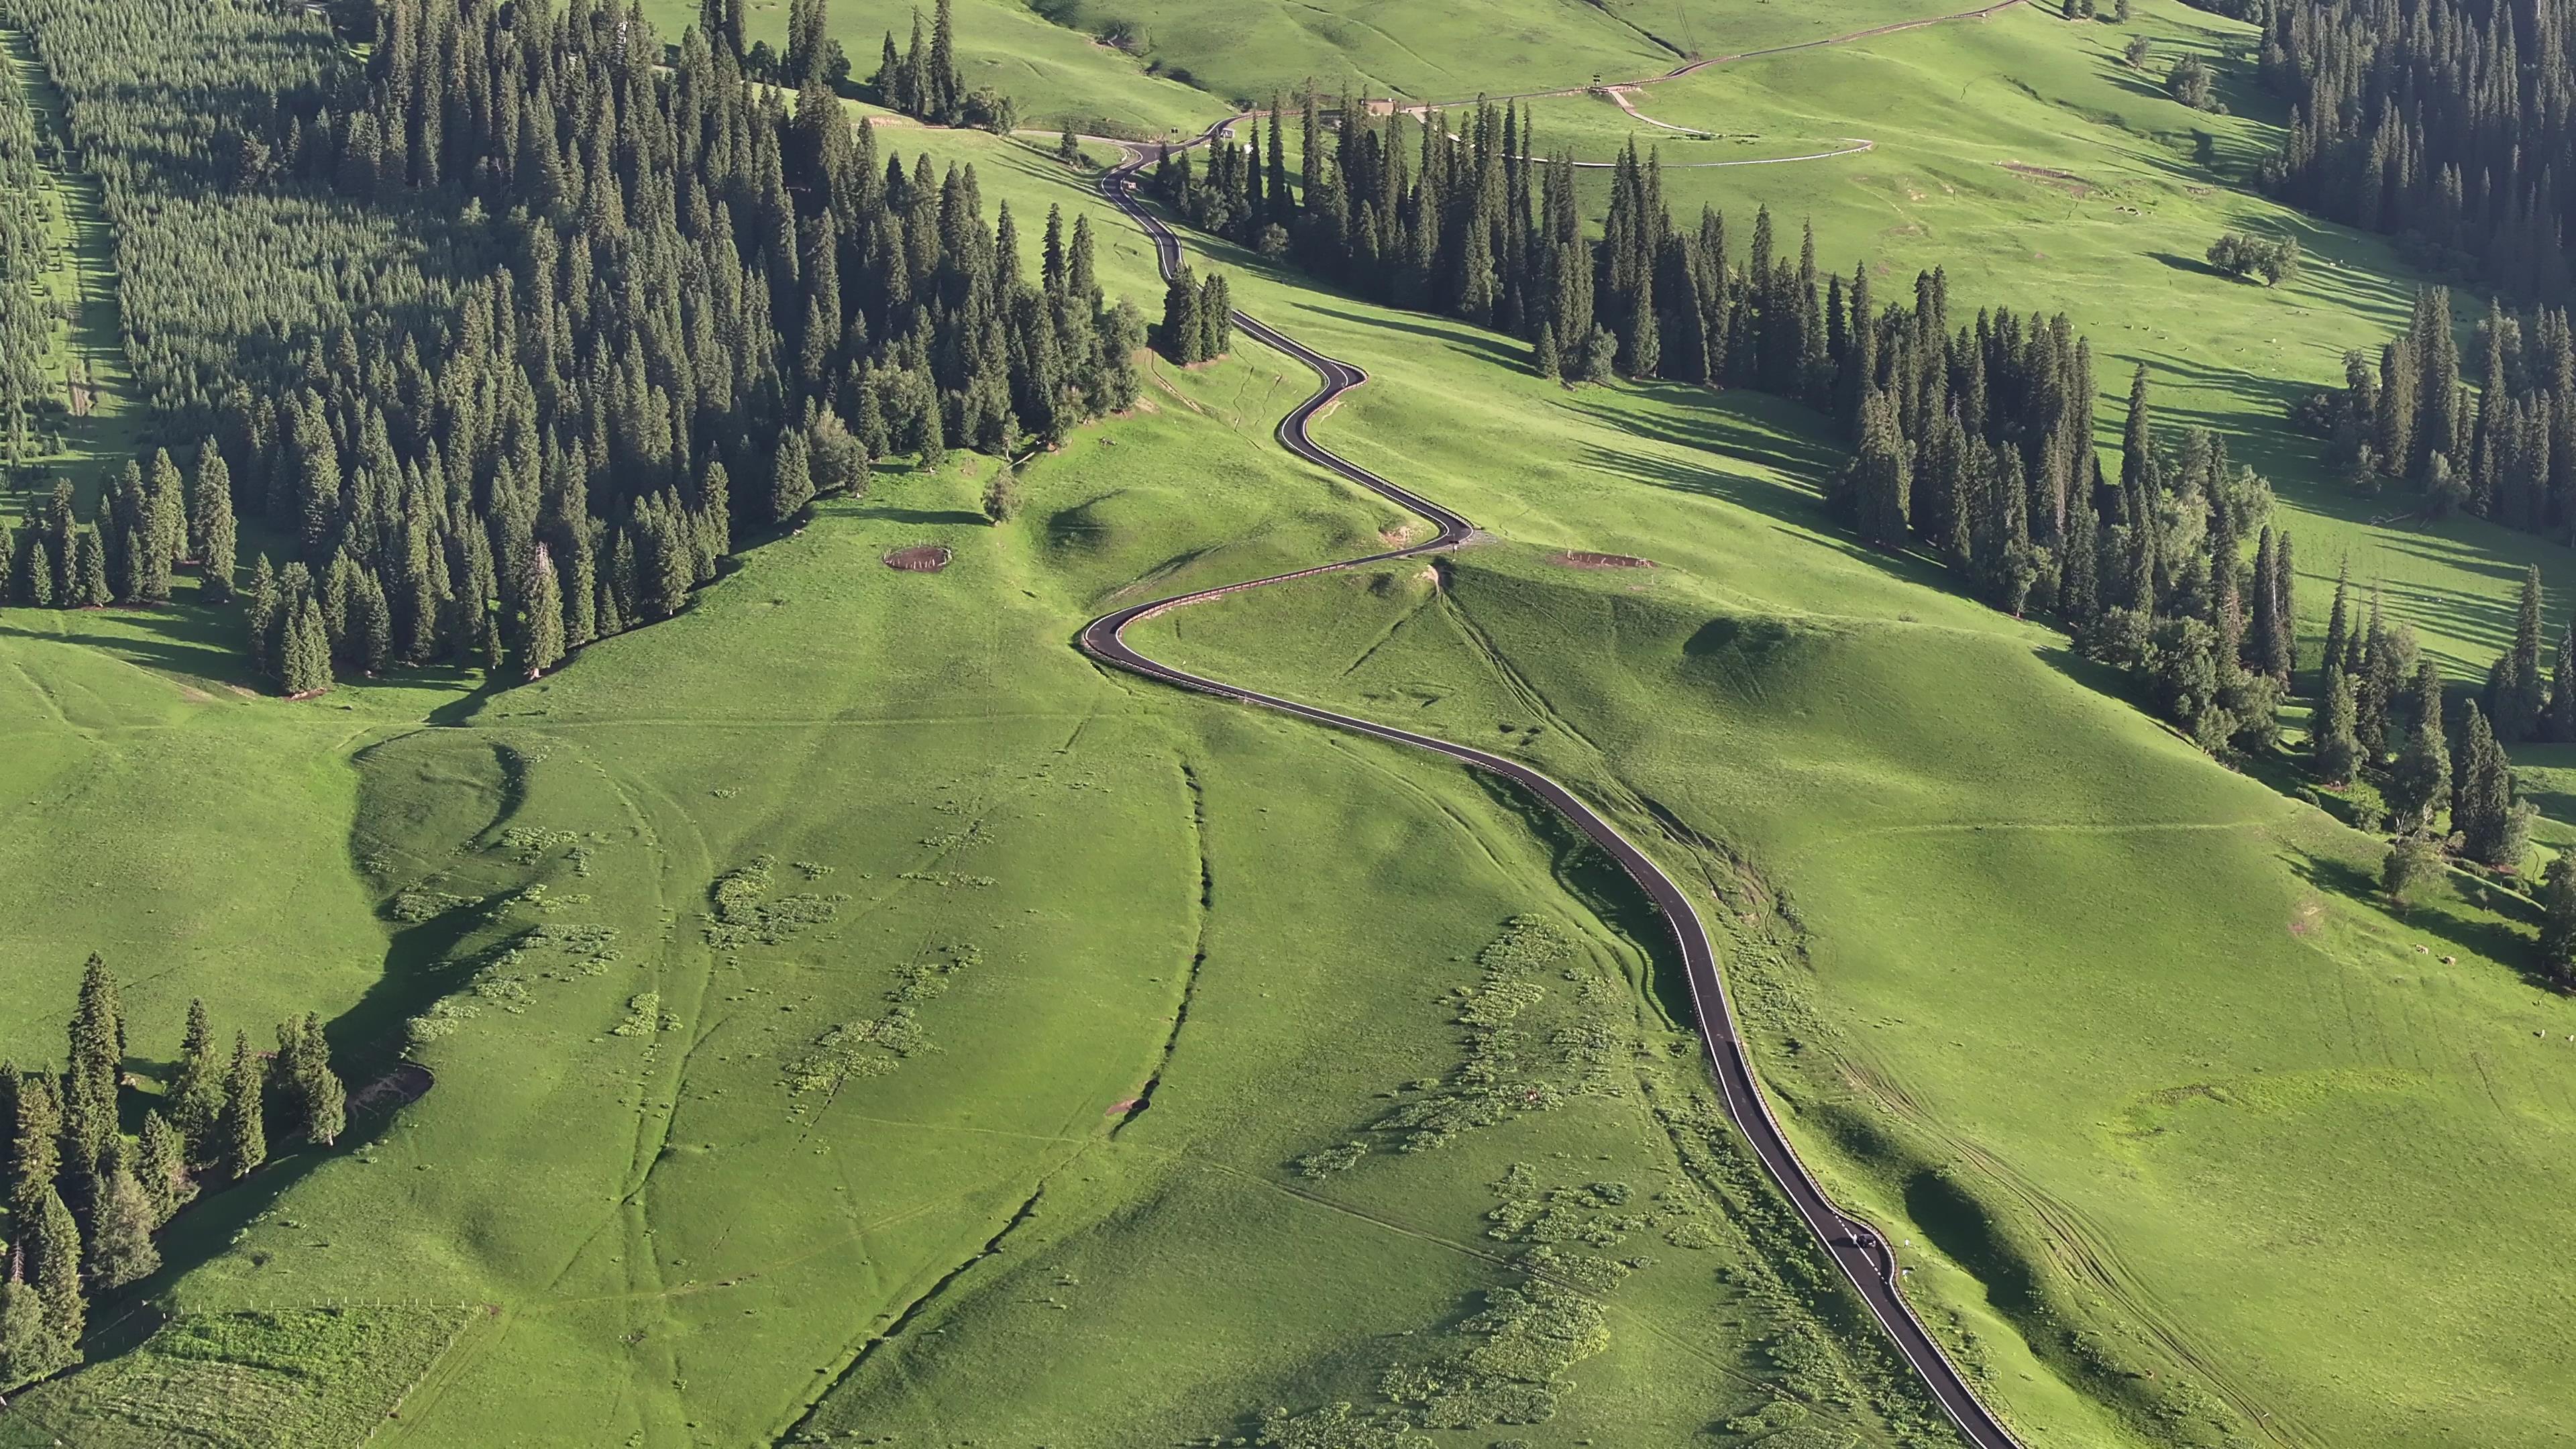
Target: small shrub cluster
858, 1050
2241, 254
745, 915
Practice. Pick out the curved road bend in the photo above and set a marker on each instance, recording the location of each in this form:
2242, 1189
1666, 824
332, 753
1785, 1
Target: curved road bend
1860, 1250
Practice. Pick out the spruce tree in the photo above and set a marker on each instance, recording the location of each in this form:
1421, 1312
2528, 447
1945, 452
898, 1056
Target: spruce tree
2338, 749
2561, 720
2339, 619
261, 616
2482, 790
161, 1166
1002, 494
1216, 318
2227, 612
541, 627
52, 1244
1880, 483
2518, 692
323, 1098
2269, 647
241, 1136
1183, 335
2285, 605
2412, 863
315, 1102
96, 1033
2419, 787
715, 505
28, 1348
947, 89
306, 656
791, 481
10, 1080
197, 1090
1543, 357
2558, 922
1599, 355
35, 1151
89, 566
120, 1247
2137, 443
217, 536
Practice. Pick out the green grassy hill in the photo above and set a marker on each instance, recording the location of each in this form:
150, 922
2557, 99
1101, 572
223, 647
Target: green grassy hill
843, 988
856, 1018
2022, 156
2117, 1036
1057, 76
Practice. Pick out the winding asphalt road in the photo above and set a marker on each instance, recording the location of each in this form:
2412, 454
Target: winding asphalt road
1861, 1250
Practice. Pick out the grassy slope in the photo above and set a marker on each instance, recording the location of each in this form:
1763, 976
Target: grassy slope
619, 1264
611, 1221
1054, 75
1248, 50
2069, 999
2116, 242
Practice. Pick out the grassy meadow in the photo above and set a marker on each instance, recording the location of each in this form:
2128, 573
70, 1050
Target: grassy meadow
856, 1018
1056, 76
2118, 1038
843, 989
2022, 156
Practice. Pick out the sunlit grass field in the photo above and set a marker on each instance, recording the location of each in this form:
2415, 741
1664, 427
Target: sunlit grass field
857, 1017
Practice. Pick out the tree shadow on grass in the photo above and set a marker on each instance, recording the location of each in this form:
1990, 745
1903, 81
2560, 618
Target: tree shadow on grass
1735, 423
1793, 508
424, 961
2499, 941
1457, 334
2107, 680
2193, 265
924, 516
366, 1042
175, 640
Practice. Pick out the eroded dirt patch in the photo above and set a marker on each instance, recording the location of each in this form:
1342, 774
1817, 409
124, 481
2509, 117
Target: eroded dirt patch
1580, 559
921, 558
2066, 181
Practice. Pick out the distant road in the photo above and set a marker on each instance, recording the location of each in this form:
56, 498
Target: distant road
1860, 1250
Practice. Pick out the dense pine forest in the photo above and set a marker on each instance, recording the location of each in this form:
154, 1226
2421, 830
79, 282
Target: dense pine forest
2409, 423
507, 330
26, 403
2447, 123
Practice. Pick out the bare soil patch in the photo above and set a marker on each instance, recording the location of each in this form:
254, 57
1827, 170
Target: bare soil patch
1580, 559
2066, 181
921, 558
408, 1082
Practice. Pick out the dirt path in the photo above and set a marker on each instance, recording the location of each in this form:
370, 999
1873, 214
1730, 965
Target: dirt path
1619, 95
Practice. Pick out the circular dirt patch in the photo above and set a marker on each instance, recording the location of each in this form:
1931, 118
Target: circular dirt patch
921, 558
1581, 560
